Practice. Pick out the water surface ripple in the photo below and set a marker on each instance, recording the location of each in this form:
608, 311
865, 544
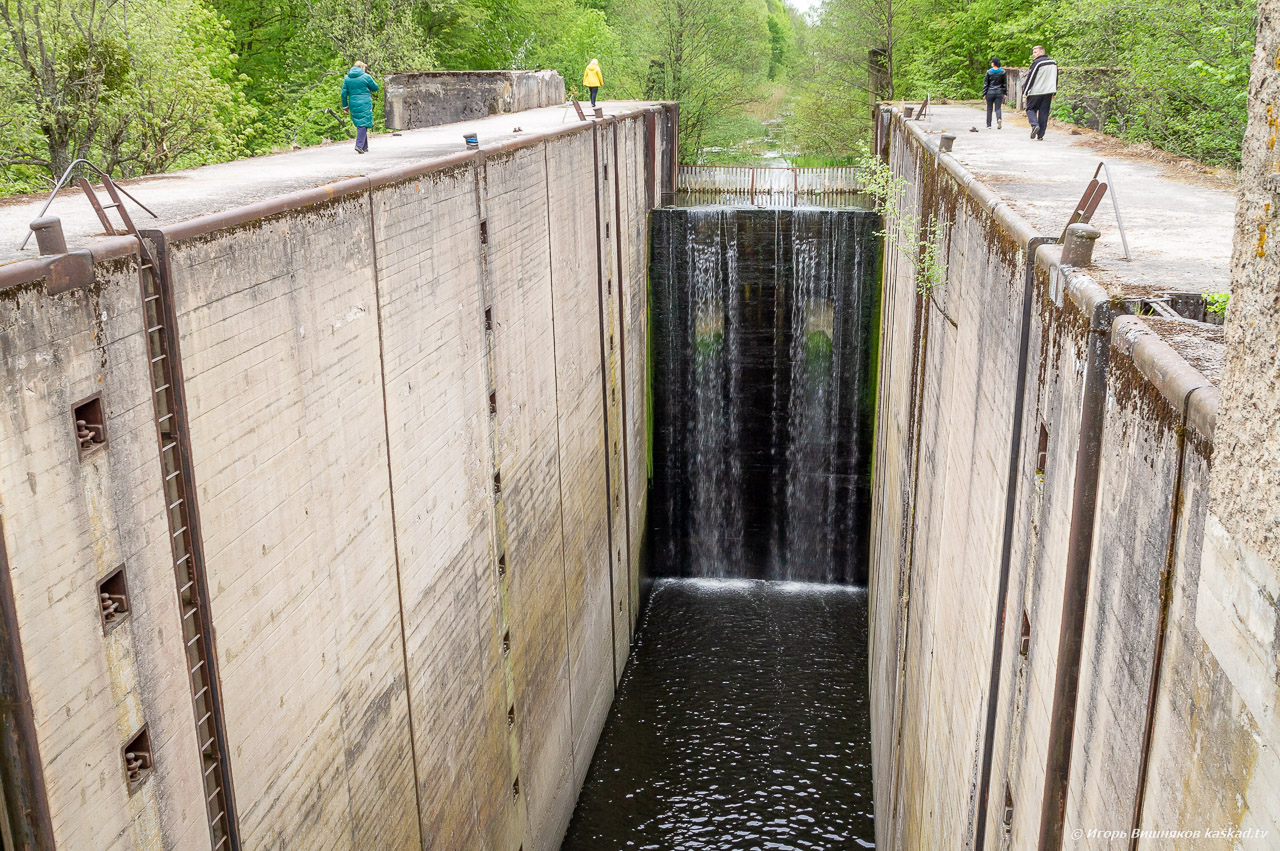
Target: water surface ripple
741, 723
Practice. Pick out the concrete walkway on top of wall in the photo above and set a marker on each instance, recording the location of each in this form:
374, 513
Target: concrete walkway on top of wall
180, 195
1179, 233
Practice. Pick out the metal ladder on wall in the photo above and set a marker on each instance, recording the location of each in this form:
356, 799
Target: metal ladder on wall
159, 317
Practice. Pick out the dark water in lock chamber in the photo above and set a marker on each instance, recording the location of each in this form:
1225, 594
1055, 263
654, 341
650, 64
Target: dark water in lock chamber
741, 723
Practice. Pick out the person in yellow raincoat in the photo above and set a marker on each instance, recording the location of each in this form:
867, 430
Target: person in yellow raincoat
592, 78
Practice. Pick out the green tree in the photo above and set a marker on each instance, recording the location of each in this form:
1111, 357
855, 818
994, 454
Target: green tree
710, 55
782, 39
136, 85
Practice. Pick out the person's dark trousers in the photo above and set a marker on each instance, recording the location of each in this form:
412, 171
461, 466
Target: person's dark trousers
593, 90
362, 139
996, 103
1038, 113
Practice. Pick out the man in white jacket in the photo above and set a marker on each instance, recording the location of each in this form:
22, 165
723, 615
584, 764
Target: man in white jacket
1039, 89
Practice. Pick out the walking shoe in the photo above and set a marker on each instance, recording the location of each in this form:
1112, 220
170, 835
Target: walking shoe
999, 123
1033, 131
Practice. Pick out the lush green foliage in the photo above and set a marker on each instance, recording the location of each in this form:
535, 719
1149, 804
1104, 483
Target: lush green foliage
1171, 73
1216, 303
147, 85
141, 87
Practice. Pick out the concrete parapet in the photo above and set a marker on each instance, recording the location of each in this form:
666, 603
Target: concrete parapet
1078, 247
431, 98
1103, 496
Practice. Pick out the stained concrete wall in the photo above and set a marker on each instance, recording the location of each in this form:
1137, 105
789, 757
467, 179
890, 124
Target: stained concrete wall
1106, 526
1217, 724
431, 98
411, 470
68, 522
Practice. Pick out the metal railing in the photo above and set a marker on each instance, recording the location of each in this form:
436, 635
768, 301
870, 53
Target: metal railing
57, 187
766, 185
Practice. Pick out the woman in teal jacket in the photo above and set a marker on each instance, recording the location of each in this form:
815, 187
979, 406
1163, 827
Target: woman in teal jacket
357, 99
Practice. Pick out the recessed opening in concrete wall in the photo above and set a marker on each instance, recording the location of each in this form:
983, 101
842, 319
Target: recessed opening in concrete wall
89, 424
113, 598
1194, 306
1042, 450
1008, 807
1024, 639
137, 759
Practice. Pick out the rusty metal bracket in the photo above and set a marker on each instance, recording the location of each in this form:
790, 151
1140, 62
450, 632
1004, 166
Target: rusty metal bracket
70, 271
1086, 206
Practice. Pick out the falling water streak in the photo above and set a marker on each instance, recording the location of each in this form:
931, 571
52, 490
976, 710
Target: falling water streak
763, 382
709, 484
778, 531
808, 538
733, 516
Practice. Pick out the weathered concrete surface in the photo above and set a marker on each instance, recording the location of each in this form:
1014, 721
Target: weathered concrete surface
280, 344
1218, 730
397, 400
1138, 751
431, 98
67, 523
181, 195
1179, 233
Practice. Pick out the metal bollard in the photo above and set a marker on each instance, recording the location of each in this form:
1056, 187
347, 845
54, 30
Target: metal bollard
1077, 248
948, 139
49, 236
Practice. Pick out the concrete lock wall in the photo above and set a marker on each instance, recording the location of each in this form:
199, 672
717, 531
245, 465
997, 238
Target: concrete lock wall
431, 98
417, 438
1097, 690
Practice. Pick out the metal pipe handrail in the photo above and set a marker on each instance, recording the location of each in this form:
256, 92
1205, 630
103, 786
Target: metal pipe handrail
1115, 204
62, 181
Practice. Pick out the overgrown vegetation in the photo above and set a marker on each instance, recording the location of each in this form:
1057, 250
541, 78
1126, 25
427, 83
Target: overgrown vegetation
1216, 303
143, 86
1170, 73
923, 243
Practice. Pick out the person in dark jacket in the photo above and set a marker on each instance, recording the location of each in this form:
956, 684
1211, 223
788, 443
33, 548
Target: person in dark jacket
1040, 87
357, 100
995, 85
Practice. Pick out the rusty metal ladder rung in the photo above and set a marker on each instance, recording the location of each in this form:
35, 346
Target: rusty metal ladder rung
187, 571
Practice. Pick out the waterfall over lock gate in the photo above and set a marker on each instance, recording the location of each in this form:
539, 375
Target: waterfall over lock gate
763, 353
